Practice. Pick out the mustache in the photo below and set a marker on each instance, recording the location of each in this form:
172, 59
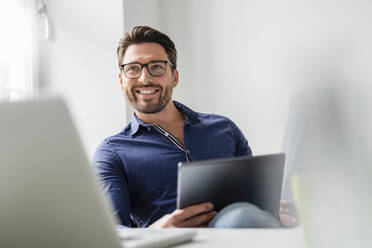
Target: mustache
148, 86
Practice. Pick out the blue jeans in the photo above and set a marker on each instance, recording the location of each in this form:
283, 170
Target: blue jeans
243, 215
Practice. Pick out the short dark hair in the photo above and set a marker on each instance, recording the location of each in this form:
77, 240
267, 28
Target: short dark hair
143, 34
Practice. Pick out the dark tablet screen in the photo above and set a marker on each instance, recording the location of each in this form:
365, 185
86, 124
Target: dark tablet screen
254, 179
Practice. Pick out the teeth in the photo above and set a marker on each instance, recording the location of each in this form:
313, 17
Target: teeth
146, 92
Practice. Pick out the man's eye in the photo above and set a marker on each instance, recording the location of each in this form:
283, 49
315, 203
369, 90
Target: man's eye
157, 67
132, 68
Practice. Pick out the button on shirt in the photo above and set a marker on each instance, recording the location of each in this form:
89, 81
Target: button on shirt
138, 166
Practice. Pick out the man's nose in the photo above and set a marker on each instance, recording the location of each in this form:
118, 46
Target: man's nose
145, 77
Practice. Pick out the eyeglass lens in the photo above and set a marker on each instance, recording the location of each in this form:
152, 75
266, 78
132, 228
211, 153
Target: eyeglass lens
134, 70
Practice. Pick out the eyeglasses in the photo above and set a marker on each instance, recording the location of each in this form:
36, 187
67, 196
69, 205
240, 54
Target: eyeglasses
156, 68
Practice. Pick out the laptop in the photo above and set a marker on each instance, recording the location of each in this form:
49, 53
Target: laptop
49, 196
257, 180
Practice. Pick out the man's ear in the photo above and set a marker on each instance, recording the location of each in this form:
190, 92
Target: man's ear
121, 80
175, 78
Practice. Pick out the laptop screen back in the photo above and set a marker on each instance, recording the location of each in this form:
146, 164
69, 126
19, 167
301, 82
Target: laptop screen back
49, 196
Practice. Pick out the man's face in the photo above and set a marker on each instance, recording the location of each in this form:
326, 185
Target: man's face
148, 94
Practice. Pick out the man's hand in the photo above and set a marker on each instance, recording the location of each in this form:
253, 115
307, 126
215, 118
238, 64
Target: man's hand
287, 214
193, 216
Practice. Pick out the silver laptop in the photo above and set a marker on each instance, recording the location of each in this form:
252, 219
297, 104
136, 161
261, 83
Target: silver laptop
49, 196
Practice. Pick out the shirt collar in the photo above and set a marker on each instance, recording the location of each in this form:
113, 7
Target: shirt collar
190, 115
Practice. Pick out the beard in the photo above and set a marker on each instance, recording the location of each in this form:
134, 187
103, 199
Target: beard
154, 106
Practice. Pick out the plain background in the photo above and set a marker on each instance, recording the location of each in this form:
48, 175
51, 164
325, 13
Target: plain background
242, 59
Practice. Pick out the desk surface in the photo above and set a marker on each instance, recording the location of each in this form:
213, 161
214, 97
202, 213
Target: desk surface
260, 238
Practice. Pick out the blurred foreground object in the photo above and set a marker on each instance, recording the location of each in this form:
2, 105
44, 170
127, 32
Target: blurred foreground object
333, 192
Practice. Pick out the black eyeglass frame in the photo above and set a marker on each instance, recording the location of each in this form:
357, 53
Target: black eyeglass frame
146, 65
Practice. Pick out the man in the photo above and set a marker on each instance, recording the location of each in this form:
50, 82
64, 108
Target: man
138, 166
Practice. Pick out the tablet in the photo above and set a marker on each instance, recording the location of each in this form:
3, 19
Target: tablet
253, 179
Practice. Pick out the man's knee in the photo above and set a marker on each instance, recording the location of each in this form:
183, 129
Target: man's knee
243, 215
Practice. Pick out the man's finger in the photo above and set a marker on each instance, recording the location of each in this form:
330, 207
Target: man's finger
286, 211
199, 220
191, 211
287, 207
286, 203
288, 221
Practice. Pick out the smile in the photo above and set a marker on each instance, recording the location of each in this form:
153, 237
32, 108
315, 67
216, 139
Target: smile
147, 92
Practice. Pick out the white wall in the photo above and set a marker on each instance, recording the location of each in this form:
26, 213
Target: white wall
274, 48
245, 59
79, 62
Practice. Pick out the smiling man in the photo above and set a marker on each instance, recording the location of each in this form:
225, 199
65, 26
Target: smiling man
148, 97
138, 166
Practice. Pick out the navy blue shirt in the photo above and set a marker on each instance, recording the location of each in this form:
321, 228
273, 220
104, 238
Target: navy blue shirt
138, 166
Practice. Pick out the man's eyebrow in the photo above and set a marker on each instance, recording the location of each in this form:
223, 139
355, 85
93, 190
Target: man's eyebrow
155, 60
131, 62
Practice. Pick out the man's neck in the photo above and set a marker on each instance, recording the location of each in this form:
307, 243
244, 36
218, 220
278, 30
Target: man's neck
164, 118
